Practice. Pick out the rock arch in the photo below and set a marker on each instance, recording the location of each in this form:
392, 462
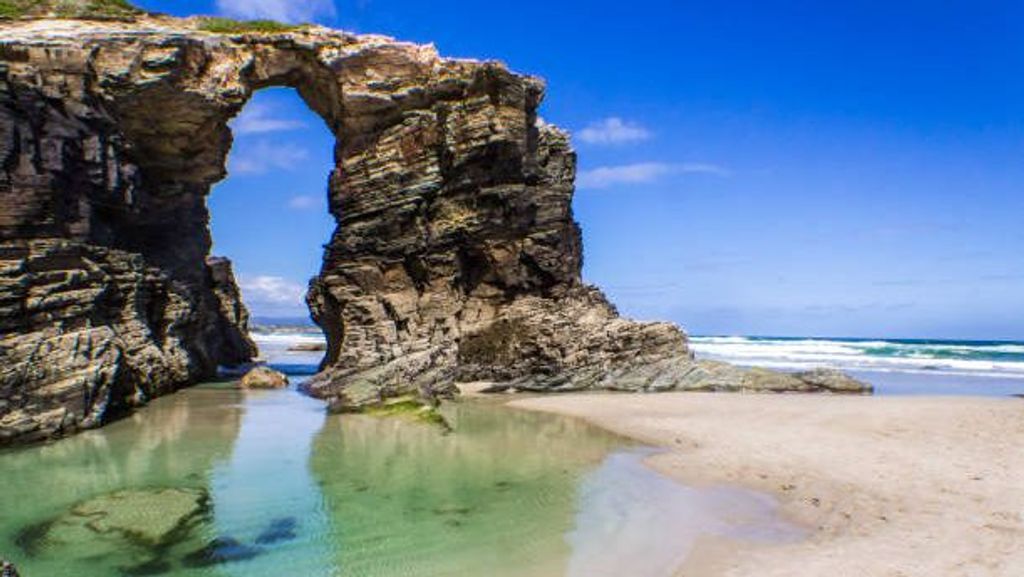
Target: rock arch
455, 257
455, 254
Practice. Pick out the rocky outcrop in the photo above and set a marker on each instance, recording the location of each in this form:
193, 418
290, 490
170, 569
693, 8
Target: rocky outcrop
455, 255
264, 378
89, 332
823, 379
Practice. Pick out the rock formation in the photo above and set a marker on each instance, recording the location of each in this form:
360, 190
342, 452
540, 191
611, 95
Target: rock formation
264, 378
455, 255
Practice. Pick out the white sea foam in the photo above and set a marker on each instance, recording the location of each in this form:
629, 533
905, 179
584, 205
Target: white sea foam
975, 359
287, 339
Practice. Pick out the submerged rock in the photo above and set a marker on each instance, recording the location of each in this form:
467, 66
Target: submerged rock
264, 378
147, 522
150, 517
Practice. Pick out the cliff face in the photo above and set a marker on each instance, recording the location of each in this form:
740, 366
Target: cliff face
455, 254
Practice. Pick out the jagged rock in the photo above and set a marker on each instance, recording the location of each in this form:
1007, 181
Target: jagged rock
308, 348
833, 380
455, 254
264, 378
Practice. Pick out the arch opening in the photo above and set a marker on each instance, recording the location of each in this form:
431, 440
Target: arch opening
269, 216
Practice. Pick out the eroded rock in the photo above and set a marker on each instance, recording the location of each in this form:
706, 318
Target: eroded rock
833, 380
308, 348
455, 255
264, 378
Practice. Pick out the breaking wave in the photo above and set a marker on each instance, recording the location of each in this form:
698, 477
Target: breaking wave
975, 358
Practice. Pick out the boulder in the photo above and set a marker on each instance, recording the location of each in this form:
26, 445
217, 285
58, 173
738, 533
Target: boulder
264, 378
308, 348
833, 380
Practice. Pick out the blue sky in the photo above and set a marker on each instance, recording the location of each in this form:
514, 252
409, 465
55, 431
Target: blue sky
780, 168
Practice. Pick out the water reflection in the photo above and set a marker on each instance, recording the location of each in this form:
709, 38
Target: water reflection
222, 482
268, 512
174, 443
496, 497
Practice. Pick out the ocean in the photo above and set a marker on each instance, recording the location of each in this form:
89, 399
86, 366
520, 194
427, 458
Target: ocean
894, 366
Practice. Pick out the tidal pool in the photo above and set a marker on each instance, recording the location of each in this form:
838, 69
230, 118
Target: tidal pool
215, 481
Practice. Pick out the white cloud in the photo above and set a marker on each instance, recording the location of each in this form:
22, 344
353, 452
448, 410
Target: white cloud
701, 168
264, 157
264, 290
303, 202
259, 119
294, 11
613, 130
641, 173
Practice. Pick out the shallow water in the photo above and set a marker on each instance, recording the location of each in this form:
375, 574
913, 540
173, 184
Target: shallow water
265, 483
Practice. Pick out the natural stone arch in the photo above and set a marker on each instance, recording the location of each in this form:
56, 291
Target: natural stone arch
455, 256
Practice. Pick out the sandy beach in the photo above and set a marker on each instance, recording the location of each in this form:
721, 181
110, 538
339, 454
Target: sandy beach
887, 486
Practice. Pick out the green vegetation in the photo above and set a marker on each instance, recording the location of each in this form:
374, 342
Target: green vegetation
411, 407
9, 9
229, 26
68, 8
14, 8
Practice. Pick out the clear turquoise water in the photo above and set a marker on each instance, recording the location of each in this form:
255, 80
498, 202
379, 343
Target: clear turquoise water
265, 483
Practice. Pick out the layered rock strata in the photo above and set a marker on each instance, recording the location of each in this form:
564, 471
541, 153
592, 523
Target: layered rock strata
455, 255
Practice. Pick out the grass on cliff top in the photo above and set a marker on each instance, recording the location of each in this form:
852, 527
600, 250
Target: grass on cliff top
229, 26
68, 8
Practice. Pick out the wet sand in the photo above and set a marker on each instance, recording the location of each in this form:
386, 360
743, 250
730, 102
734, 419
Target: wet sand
888, 486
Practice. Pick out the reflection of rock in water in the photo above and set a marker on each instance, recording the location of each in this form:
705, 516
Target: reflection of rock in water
171, 449
496, 497
278, 531
220, 550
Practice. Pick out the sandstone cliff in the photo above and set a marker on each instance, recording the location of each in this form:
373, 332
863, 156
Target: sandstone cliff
455, 256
